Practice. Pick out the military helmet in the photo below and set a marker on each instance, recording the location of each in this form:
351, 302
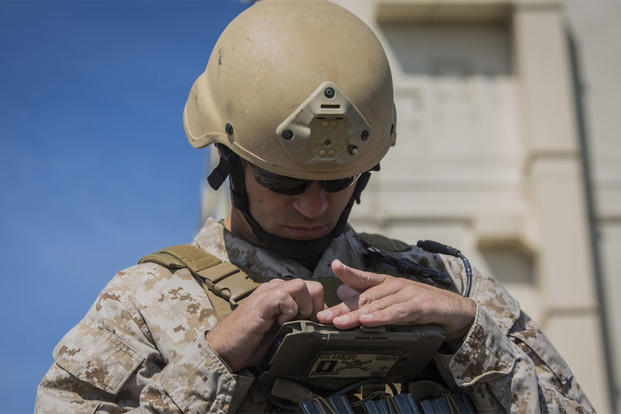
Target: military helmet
300, 88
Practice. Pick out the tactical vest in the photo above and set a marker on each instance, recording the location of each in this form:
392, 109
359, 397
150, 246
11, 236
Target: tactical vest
226, 285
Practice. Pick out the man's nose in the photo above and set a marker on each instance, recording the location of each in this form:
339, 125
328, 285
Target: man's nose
313, 202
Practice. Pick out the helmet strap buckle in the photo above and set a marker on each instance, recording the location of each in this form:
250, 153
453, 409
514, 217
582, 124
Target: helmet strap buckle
219, 174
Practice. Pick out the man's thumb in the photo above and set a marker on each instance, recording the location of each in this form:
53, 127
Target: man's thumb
356, 279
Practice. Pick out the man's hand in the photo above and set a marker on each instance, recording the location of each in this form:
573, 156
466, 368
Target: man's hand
244, 335
372, 299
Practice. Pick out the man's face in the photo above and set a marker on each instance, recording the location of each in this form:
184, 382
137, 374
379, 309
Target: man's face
306, 216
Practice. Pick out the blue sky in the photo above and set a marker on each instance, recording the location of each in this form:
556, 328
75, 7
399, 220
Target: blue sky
96, 170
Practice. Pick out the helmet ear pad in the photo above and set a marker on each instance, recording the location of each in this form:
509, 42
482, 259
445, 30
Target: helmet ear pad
233, 165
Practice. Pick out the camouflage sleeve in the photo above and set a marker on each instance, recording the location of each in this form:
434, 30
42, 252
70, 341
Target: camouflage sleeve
111, 363
506, 362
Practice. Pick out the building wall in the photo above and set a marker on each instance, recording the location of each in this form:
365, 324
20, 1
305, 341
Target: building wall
594, 30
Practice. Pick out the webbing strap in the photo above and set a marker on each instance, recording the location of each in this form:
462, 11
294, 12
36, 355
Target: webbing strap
182, 255
229, 282
219, 271
224, 283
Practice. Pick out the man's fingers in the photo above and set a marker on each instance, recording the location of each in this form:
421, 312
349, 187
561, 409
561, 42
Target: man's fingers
354, 278
346, 306
284, 300
298, 290
308, 295
344, 292
346, 314
287, 309
315, 289
397, 314
352, 299
349, 313
354, 318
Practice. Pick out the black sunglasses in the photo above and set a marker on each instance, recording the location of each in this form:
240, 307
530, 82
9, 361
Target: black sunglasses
294, 186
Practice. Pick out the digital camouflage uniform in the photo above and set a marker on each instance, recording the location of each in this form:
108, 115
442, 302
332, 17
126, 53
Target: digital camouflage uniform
141, 347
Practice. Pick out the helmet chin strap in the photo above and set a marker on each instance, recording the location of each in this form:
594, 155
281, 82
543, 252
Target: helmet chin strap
231, 164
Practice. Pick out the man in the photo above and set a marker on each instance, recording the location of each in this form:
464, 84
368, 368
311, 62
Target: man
297, 96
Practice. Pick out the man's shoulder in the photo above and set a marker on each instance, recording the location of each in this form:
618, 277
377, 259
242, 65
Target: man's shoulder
152, 294
383, 251
143, 274
382, 242
162, 266
146, 283
211, 238
401, 249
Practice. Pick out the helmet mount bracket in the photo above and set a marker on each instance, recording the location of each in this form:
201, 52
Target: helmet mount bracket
326, 127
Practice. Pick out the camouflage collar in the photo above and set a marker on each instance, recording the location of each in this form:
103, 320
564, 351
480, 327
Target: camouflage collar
215, 239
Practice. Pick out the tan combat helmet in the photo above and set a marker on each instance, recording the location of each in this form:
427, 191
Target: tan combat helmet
300, 88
